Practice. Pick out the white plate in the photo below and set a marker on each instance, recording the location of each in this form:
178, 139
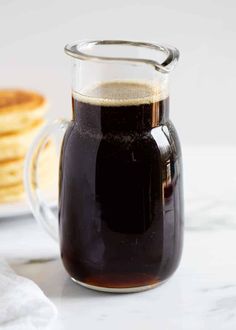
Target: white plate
17, 209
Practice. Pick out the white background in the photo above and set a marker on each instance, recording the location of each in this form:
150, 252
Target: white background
33, 34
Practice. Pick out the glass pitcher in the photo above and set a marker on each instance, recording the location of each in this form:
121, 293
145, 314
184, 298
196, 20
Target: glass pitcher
120, 177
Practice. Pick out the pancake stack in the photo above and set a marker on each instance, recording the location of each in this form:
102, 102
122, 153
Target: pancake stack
21, 118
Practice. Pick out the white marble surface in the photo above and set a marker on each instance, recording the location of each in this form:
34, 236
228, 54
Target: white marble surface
200, 295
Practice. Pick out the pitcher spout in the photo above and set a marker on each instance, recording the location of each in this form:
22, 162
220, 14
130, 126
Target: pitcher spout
162, 58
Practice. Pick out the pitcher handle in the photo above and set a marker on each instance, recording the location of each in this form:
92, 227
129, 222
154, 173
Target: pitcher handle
39, 207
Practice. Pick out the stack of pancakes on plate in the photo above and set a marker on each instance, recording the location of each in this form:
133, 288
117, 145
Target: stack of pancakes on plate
21, 118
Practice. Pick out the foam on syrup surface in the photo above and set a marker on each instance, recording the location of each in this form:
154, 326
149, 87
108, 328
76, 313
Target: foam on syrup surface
122, 93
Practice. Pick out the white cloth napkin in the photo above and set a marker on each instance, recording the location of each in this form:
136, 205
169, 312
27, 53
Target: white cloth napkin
23, 306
